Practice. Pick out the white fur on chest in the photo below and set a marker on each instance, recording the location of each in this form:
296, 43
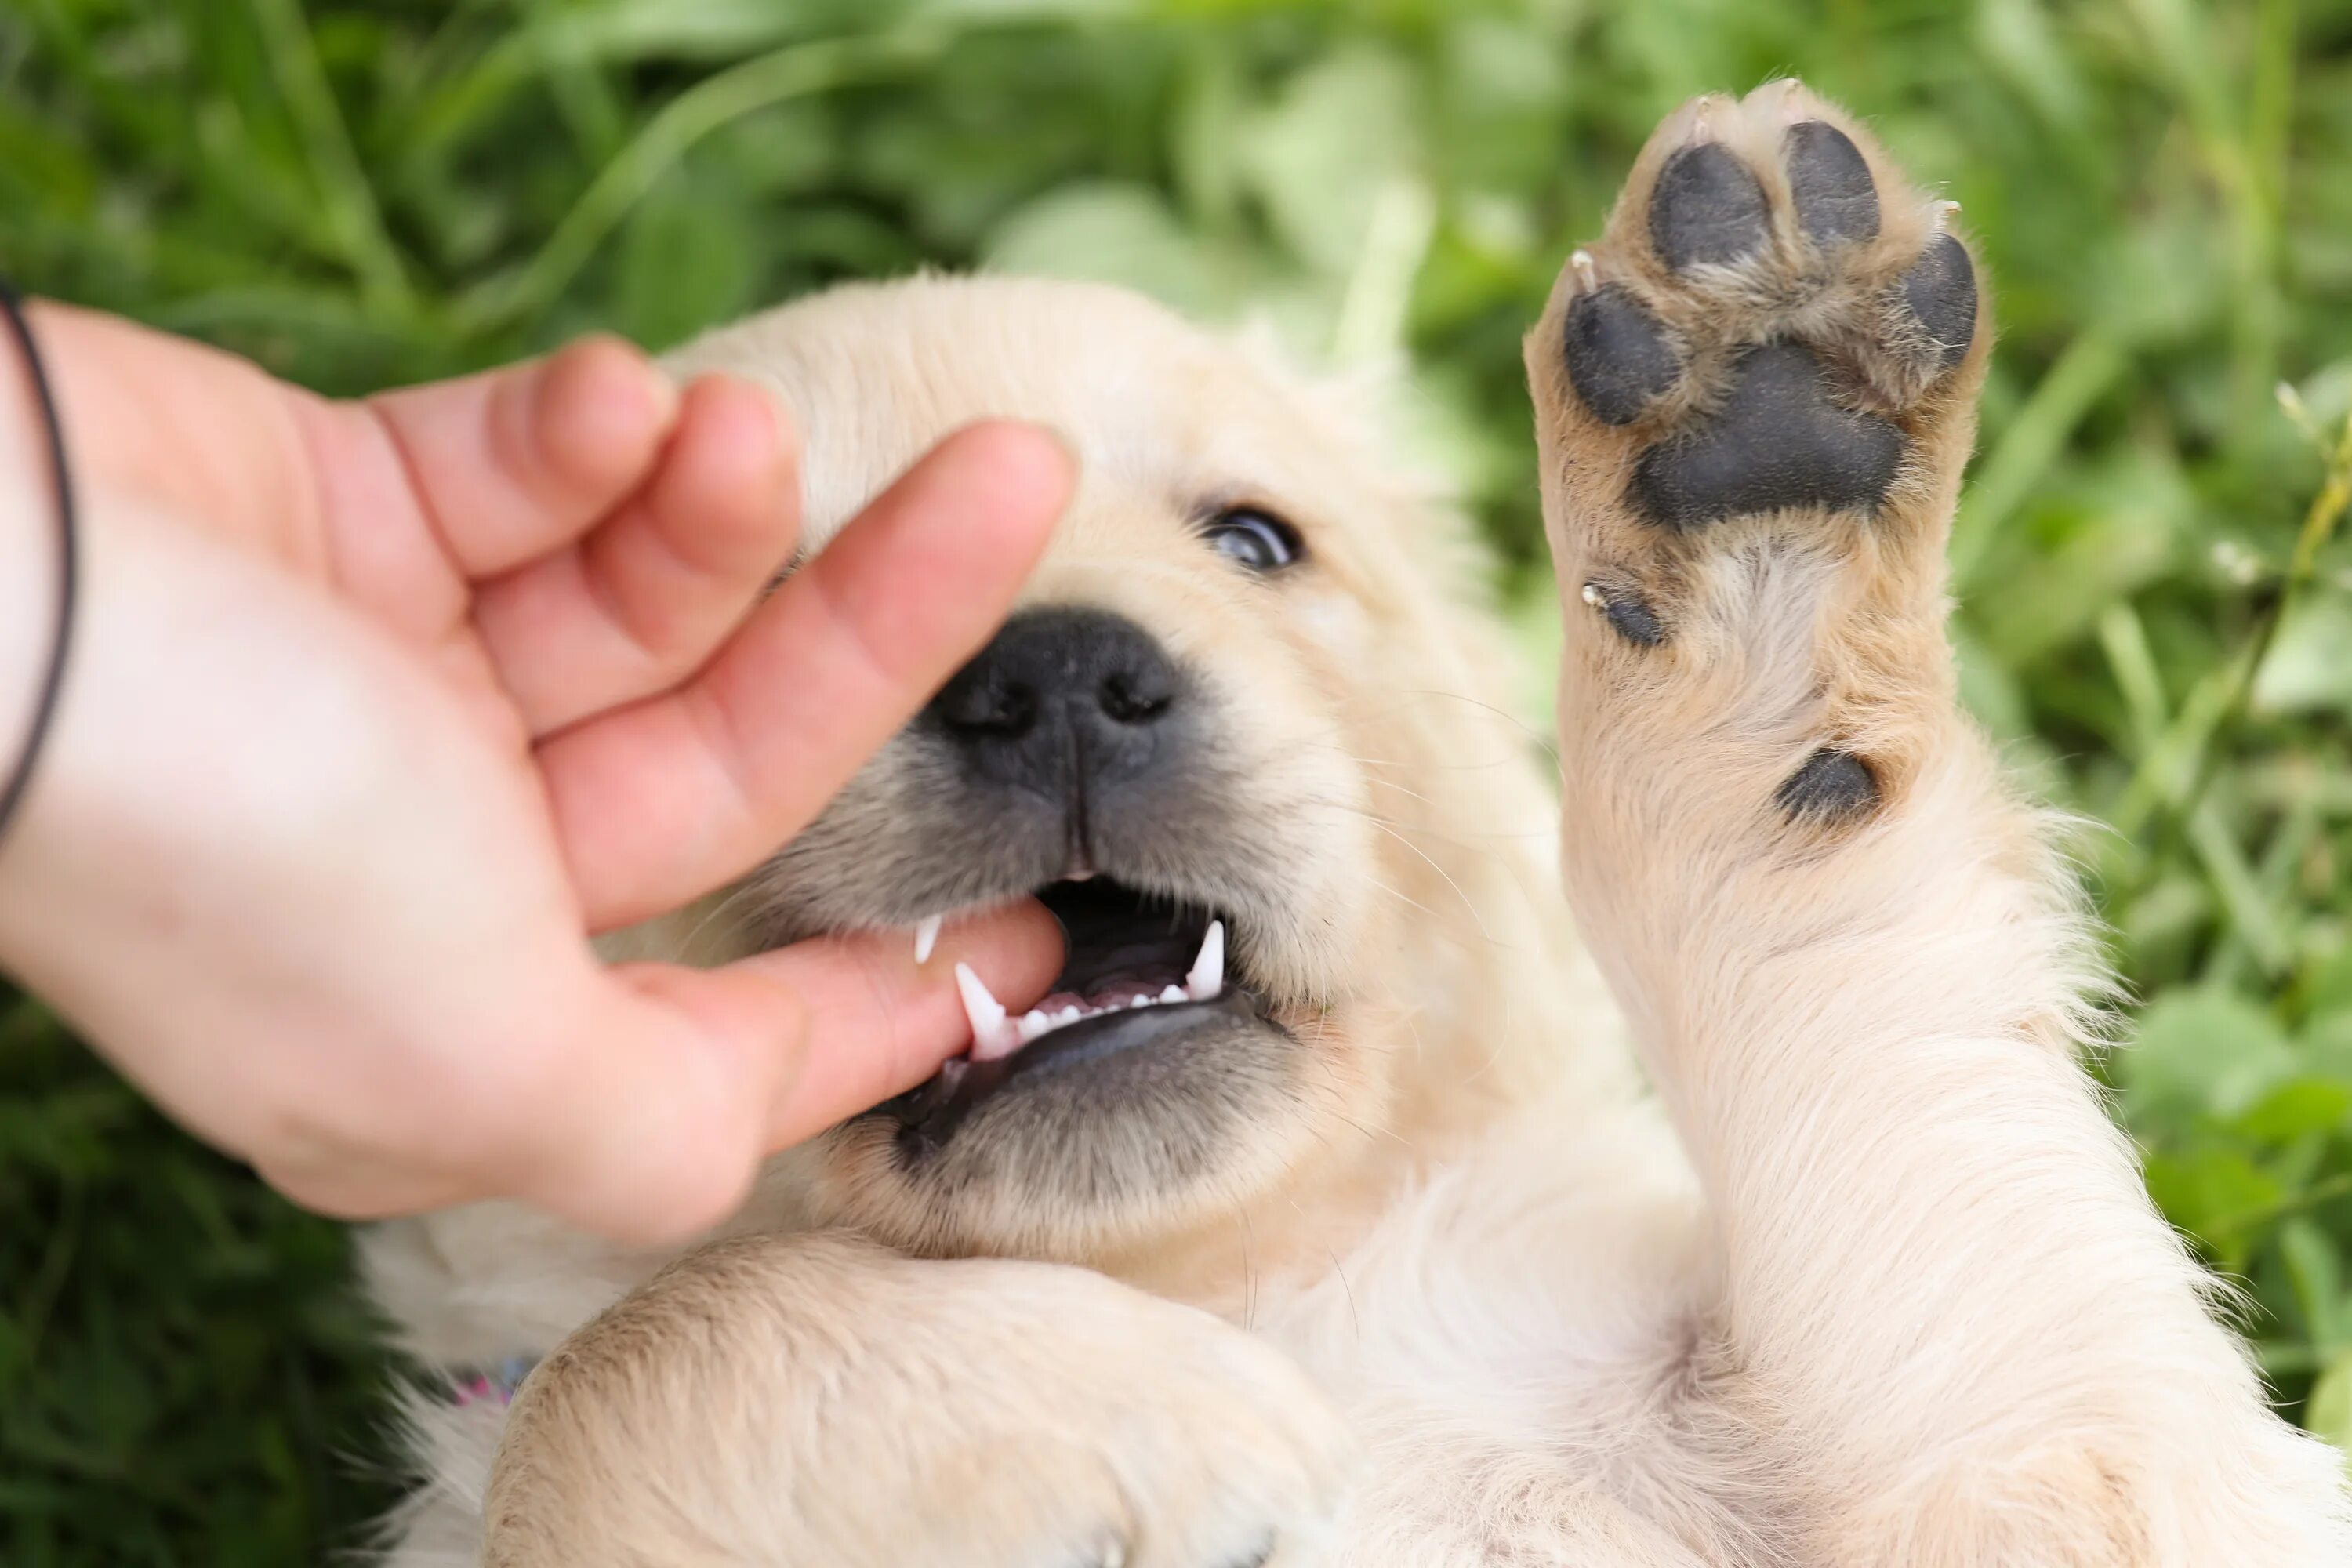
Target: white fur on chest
1507, 1341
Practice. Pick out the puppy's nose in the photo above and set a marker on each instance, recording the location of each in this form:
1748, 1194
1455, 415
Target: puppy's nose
1064, 701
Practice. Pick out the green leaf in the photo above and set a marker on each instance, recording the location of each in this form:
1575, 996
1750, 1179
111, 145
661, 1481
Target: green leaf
2204, 1052
1320, 154
2317, 1273
2327, 1413
2295, 1108
2309, 667
685, 262
2213, 1192
1125, 234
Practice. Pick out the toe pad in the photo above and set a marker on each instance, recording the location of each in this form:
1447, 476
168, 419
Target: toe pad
1618, 356
1708, 207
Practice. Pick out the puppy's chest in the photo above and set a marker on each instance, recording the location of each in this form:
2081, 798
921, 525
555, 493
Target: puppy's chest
1500, 1337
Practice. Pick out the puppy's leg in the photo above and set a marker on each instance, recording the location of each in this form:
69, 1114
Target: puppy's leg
1952, 1330
817, 1400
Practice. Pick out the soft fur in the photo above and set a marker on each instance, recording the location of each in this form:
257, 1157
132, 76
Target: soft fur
1870, 1278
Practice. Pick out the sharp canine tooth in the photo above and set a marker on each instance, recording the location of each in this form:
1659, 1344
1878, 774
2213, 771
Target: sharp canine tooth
1208, 977
927, 936
992, 1034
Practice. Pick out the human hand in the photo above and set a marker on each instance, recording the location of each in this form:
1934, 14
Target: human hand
377, 710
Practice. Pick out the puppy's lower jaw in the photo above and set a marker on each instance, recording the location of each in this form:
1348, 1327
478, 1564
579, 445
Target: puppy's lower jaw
928, 1117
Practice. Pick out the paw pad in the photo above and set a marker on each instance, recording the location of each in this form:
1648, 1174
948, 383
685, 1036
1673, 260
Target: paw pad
1628, 612
1708, 208
1618, 356
1941, 290
1776, 440
1832, 786
1830, 183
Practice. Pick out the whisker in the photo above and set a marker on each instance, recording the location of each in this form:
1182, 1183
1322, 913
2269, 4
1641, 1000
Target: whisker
1476, 918
750, 886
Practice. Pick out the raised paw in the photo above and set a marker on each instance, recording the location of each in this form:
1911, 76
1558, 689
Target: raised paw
1754, 395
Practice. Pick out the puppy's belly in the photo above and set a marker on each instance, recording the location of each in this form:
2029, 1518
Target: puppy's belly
1506, 1339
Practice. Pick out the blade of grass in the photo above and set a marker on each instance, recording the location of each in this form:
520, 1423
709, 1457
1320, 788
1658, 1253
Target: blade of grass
771, 79
342, 184
2319, 523
1379, 295
2124, 639
2091, 364
2250, 917
2202, 730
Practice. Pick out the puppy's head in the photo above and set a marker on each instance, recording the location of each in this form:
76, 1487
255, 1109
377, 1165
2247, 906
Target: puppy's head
1232, 737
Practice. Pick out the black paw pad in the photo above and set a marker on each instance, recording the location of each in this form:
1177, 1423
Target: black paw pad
1777, 441
1618, 356
1706, 207
1628, 613
1258, 1558
1941, 290
1832, 786
1829, 182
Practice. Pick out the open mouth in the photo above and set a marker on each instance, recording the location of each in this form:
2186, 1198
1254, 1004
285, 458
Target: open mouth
1141, 969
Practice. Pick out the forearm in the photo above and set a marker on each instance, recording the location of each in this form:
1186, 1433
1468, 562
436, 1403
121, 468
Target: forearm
1921, 1205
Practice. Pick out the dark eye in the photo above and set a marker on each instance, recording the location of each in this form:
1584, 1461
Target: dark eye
1257, 540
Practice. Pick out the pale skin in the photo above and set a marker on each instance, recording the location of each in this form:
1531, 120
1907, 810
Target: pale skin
378, 710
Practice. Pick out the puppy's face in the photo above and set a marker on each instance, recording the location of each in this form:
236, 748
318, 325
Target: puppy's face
1193, 741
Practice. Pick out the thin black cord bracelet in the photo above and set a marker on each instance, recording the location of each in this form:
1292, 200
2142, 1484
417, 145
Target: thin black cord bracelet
44, 706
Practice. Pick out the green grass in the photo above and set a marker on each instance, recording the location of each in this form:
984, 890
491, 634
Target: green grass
357, 193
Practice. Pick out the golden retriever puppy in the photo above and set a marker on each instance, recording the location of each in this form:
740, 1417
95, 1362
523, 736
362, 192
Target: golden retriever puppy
1319, 1217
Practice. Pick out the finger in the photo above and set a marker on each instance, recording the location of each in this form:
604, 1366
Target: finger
659, 802
881, 1024
514, 462
660, 1122
638, 605
361, 1189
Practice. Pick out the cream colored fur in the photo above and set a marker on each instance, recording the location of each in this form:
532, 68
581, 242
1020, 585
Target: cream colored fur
1870, 1280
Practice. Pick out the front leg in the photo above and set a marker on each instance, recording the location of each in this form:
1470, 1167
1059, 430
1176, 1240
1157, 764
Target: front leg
1951, 1328
815, 1399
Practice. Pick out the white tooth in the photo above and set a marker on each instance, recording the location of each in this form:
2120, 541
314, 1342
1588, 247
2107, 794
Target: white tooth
1034, 1024
1208, 977
1174, 993
1068, 1016
927, 937
992, 1034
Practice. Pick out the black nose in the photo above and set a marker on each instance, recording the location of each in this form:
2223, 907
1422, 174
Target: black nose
1067, 702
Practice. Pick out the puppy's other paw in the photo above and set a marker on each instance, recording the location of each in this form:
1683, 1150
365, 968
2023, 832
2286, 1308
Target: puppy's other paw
818, 1400
1754, 395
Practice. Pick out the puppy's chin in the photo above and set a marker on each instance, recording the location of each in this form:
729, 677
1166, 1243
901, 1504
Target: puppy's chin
1135, 1127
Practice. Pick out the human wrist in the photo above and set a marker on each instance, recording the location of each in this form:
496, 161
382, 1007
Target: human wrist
37, 554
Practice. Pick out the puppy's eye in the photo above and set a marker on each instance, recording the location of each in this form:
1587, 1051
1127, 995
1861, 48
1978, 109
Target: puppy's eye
1257, 540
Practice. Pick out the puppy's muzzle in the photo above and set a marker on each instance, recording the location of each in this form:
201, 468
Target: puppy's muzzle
1073, 711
